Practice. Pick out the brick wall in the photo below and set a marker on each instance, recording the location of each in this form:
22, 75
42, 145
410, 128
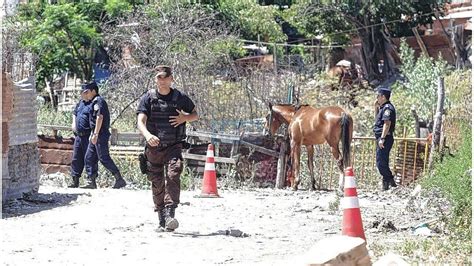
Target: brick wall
7, 106
20, 155
55, 154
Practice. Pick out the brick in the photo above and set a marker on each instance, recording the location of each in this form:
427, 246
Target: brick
47, 142
54, 156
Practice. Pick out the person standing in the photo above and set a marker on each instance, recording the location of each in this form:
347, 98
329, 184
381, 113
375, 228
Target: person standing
384, 127
98, 148
82, 131
161, 118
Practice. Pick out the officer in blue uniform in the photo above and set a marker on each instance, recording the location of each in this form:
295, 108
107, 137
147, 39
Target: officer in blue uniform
385, 119
82, 131
98, 149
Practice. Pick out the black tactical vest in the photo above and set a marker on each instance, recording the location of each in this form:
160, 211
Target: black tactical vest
158, 123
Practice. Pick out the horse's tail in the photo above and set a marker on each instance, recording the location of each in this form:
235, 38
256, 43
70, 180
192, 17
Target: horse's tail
346, 138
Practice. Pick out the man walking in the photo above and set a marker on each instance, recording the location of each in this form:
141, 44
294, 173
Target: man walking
98, 149
82, 131
385, 119
161, 118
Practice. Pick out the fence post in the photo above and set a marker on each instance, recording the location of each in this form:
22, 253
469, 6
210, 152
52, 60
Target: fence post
113, 136
281, 170
437, 122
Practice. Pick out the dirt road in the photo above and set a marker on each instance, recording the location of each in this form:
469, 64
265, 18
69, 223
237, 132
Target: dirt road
63, 226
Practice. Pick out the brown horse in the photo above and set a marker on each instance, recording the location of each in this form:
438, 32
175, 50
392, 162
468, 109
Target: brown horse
309, 126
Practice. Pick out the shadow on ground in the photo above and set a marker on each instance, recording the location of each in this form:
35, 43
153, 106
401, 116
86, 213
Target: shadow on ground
36, 202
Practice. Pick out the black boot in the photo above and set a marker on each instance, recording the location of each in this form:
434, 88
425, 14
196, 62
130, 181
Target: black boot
75, 182
119, 181
170, 222
392, 183
161, 218
385, 185
90, 182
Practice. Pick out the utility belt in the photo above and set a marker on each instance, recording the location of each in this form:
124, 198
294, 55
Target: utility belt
162, 146
82, 133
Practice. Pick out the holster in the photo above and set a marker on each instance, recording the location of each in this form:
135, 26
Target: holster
143, 163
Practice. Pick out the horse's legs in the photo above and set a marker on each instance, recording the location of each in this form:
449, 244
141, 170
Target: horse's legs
295, 159
337, 155
310, 150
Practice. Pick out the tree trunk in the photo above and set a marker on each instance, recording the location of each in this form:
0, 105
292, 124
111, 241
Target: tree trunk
54, 102
437, 122
417, 122
376, 43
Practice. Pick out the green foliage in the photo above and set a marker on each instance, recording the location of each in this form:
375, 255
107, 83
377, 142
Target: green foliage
48, 116
117, 8
312, 23
453, 177
252, 19
230, 47
420, 88
63, 39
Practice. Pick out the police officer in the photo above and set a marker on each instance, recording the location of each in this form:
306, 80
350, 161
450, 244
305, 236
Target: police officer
82, 131
98, 148
385, 119
161, 118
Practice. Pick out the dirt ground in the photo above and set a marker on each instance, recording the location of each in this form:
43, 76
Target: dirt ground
62, 226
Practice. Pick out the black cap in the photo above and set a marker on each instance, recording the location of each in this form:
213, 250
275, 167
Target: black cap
163, 71
384, 91
90, 86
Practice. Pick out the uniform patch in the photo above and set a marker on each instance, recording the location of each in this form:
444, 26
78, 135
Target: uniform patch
386, 113
96, 107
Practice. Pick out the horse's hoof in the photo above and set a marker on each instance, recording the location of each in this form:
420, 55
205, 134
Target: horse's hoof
312, 188
294, 188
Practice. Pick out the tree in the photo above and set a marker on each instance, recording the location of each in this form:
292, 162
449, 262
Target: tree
63, 40
373, 22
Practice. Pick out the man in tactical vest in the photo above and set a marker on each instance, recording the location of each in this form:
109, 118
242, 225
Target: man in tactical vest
162, 116
82, 131
98, 149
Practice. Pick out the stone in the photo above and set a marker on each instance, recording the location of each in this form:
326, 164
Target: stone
338, 250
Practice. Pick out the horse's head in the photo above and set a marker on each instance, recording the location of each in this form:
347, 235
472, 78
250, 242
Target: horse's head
277, 116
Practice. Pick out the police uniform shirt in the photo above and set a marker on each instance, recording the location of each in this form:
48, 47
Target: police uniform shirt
184, 103
386, 112
99, 107
81, 112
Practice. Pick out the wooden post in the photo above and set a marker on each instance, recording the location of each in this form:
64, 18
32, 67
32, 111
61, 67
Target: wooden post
420, 42
275, 59
113, 136
281, 171
437, 122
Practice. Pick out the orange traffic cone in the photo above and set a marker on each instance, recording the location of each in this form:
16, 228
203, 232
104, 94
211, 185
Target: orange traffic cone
209, 183
352, 220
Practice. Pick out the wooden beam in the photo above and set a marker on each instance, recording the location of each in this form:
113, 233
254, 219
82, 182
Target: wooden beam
208, 135
420, 42
198, 157
261, 149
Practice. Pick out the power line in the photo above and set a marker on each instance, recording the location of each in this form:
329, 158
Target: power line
367, 26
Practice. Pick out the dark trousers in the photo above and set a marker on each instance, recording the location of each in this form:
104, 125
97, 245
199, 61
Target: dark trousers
165, 187
99, 152
383, 158
78, 155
